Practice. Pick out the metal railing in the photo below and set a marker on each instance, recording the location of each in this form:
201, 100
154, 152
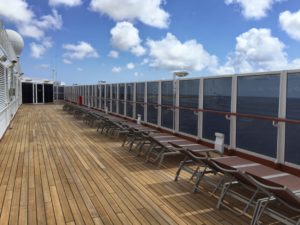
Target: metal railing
238, 121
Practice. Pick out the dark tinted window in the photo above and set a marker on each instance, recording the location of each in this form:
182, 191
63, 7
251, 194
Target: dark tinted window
140, 96
217, 94
114, 91
256, 135
129, 99
257, 95
27, 90
152, 99
121, 98
188, 97
114, 97
167, 98
217, 97
102, 96
108, 96
140, 92
292, 145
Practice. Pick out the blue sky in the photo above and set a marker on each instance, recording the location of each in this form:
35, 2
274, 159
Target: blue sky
130, 40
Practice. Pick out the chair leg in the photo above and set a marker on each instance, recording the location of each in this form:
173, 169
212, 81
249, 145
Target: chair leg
255, 213
223, 193
259, 209
195, 173
148, 152
160, 161
250, 202
219, 184
181, 165
199, 177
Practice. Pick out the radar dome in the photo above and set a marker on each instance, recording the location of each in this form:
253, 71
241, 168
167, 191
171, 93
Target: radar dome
16, 41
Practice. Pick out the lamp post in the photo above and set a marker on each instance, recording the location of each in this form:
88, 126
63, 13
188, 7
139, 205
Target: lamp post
178, 74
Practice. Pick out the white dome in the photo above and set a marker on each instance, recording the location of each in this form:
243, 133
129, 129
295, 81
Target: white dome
16, 40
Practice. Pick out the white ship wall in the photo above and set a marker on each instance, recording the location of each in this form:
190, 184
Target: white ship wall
10, 83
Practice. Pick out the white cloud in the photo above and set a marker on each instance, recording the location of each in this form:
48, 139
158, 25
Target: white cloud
79, 69
138, 50
113, 54
116, 69
80, 51
254, 9
28, 24
295, 64
148, 12
37, 50
170, 53
19, 13
125, 36
130, 66
145, 61
31, 31
256, 50
16, 11
53, 21
69, 3
290, 23
67, 61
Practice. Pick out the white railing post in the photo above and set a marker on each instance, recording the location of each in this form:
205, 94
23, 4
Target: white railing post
281, 114
159, 108
200, 106
233, 118
146, 101
134, 101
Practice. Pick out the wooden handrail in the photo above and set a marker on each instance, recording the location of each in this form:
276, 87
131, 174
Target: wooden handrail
227, 114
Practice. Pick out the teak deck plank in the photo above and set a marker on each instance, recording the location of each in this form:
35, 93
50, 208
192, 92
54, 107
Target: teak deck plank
55, 169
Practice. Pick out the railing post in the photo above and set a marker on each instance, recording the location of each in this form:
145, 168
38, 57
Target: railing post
134, 101
159, 108
177, 81
146, 101
200, 106
281, 114
125, 99
233, 118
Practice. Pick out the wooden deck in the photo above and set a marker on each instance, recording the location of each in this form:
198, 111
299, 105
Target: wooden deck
56, 170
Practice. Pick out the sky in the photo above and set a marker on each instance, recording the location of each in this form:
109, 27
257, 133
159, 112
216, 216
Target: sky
87, 41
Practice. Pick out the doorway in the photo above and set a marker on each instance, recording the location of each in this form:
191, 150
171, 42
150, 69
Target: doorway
39, 94
27, 92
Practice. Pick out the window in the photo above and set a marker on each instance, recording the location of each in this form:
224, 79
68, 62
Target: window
152, 102
188, 98
217, 97
108, 97
257, 95
114, 97
292, 145
98, 96
102, 96
129, 100
167, 101
121, 98
140, 98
